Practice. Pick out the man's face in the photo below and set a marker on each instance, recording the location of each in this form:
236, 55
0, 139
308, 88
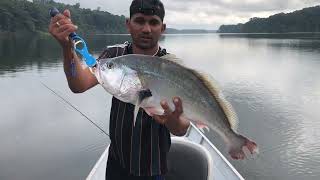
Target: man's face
145, 30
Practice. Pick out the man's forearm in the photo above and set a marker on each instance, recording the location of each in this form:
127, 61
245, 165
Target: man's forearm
79, 79
68, 57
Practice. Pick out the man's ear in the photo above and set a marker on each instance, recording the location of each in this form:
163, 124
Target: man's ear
128, 24
164, 27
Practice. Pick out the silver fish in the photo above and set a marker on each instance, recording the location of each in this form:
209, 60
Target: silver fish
146, 80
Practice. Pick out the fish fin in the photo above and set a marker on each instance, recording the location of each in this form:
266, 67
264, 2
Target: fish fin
142, 95
230, 112
173, 58
214, 89
135, 113
240, 145
151, 111
201, 126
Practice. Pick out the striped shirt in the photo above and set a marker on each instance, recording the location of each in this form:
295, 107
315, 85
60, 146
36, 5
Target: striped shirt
141, 149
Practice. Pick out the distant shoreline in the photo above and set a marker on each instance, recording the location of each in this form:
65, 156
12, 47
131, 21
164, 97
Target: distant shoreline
4, 33
276, 33
300, 21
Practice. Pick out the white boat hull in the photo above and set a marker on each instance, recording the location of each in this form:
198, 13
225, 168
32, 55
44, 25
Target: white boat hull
192, 153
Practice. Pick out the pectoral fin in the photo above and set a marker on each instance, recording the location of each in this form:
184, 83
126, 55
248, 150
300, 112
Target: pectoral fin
142, 95
136, 111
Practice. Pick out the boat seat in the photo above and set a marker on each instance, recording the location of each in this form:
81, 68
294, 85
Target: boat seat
188, 161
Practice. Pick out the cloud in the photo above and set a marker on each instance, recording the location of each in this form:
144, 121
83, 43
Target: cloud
243, 5
209, 14
120, 7
212, 13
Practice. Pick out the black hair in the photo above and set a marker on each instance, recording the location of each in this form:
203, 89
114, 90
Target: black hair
147, 7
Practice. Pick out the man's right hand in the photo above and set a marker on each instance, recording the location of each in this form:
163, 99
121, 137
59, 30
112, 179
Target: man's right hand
61, 26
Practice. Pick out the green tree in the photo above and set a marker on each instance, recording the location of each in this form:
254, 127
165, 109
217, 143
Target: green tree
23, 15
305, 20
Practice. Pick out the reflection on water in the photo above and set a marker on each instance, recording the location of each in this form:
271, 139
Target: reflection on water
312, 36
273, 81
274, 86
23, 51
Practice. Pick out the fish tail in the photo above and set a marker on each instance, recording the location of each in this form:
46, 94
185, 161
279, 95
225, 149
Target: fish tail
238, 146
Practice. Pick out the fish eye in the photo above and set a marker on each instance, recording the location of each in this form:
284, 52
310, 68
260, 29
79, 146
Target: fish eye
110, 65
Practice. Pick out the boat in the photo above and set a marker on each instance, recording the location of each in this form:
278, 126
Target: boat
191, 157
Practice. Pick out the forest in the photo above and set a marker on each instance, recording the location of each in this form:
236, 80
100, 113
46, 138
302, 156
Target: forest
25, 16
305, 20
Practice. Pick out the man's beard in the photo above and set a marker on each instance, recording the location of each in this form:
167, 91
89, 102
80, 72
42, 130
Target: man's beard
146, 45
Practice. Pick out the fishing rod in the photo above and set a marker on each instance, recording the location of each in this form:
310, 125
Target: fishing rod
67, 102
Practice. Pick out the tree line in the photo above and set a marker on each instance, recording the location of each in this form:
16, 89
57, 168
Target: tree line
26, 16
305, 20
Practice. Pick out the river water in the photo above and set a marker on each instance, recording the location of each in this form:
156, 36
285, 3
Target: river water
273, 82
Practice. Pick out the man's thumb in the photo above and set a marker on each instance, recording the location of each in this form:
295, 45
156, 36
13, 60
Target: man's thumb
67, 13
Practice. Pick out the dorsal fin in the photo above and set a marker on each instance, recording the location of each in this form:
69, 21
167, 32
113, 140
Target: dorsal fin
173, 58
214, 89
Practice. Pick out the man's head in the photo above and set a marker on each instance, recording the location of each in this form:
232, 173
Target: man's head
147, 7
146, 22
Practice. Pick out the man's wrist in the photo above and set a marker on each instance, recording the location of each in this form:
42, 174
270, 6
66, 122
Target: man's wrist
185, 125
67, 47
178, 127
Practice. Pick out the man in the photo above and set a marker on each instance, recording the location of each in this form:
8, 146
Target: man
140, 151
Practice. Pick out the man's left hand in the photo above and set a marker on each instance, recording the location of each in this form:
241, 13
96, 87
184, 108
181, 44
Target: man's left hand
173, 120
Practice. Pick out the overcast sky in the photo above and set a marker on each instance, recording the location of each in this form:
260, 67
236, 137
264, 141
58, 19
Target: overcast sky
204, 14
